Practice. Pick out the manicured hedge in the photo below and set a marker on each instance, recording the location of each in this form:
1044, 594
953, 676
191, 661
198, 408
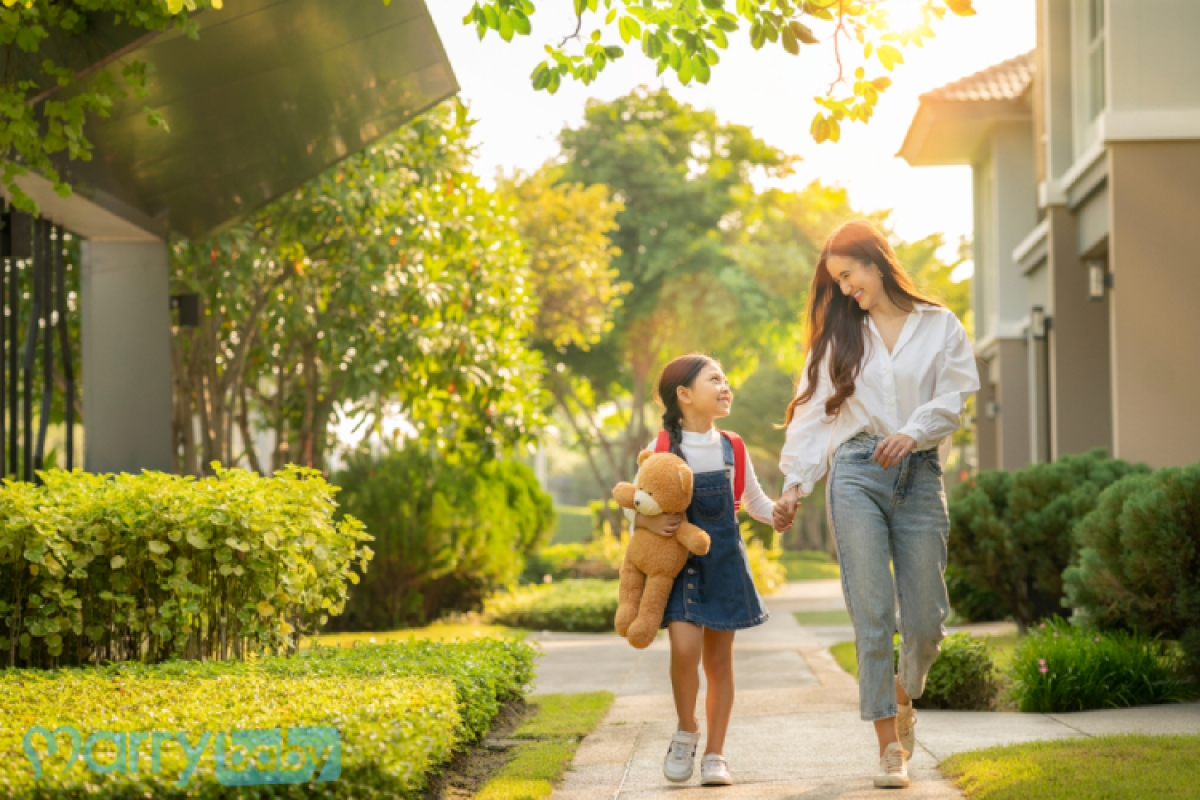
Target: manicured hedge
152, 566
400, 711
572, 605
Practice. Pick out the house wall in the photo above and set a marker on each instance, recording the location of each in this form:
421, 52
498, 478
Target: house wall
1155, 339
1153, 64
1010, 370
987, 439
1080, 402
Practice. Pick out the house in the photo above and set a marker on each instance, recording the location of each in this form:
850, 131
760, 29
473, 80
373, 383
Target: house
1085, 156
269, 95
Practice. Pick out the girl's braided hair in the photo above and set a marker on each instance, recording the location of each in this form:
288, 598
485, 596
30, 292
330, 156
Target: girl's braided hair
680, 372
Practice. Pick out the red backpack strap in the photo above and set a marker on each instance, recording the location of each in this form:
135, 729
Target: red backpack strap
663, 443
739, 466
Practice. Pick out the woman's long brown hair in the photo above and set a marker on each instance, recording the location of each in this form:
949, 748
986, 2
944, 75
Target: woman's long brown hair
836, 323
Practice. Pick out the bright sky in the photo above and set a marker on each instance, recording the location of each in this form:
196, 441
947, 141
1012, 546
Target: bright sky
767, 90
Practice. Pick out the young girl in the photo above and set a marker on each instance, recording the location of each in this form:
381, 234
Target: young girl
888, 373
714, 595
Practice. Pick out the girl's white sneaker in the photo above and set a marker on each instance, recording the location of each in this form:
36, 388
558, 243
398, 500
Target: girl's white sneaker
714, 771
893, 768
681, 756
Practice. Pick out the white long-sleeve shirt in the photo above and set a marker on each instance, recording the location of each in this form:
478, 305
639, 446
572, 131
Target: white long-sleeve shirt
704, 453
919, 389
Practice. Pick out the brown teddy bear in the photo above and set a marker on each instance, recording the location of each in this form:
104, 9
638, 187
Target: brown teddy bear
664, 486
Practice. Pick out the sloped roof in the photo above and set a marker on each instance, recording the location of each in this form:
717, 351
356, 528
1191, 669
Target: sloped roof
1007, 80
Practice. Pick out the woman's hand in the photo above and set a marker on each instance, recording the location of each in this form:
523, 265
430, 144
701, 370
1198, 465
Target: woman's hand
662, 524
785, 509
892, 450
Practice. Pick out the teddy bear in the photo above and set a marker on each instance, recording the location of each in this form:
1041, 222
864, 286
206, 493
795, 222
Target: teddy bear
664, 486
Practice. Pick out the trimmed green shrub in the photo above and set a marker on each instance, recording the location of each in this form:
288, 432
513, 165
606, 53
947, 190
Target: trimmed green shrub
969, 602
588, 605
447, 533
961, 678
1061, 667
1139, 558
599, 558
400, 710
151, 566
1011, 533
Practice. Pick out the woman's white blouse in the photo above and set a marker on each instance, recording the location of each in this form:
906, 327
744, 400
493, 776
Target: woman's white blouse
918, 390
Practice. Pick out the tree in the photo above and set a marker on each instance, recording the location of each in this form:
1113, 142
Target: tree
685, 37
565, 228
392, 276
43, 40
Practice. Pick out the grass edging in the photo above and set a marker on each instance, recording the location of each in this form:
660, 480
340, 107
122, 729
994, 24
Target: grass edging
550, 738
1109, 767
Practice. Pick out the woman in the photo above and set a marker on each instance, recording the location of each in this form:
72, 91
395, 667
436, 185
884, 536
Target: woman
887, 375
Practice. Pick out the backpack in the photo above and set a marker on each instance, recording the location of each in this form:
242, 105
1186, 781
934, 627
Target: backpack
663, 445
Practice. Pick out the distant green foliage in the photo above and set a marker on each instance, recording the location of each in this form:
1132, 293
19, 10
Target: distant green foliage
1060, 667
1138, 566
962, 677
401, 710
152, 566
588, 605
1011, 533
447, 533
574, 524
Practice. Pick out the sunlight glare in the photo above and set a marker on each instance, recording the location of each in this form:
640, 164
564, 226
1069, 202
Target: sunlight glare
904, 15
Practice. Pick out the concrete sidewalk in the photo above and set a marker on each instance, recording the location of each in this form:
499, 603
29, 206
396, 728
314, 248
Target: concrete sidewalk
795, 730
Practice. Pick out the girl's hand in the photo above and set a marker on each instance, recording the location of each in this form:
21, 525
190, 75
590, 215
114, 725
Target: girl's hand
662, 524
892, 450
785, 509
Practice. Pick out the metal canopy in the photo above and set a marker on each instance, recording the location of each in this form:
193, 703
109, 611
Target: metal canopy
272, 93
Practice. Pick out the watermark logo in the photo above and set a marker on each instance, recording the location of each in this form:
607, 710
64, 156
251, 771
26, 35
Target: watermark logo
243, 757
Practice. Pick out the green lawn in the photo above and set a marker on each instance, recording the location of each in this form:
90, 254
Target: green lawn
573, 525
808, 565
438, 632
554, 732
1001, 648
1108, 767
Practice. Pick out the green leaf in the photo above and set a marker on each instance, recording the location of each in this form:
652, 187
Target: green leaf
802, 32
790, 42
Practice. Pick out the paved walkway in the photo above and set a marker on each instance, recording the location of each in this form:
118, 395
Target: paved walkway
795, 731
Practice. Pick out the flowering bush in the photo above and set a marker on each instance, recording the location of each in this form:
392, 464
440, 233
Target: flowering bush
1060, 667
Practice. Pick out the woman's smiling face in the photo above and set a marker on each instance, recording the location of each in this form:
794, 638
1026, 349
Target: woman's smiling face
858, 280
709, 395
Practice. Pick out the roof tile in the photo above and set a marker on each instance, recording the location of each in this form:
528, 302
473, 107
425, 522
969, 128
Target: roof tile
1007, 80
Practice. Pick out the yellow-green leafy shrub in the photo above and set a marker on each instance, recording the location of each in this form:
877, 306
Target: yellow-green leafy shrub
587, 604
400, 710
151, 566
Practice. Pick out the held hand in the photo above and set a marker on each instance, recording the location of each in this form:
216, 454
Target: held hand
662, 524
785, 509
892, 450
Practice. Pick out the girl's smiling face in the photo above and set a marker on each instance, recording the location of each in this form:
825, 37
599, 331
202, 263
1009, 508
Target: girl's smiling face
709, 396
858, 280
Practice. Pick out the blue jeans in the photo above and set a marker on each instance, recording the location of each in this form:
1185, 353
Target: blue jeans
898, 516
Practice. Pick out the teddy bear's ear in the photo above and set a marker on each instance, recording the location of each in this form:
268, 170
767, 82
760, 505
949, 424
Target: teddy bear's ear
642, 456
685, 480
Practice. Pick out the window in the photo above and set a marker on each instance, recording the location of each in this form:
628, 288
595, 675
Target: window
1089, 82
1095, 58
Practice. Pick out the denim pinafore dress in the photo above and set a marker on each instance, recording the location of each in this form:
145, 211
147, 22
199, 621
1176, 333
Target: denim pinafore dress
716, 590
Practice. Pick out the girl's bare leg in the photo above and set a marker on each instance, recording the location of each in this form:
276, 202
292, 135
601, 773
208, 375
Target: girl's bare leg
885, 729
718, 669
687, 644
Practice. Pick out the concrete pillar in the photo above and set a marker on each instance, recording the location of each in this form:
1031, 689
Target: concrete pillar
1155, 356
126, 360
1011, 373
986, 437
1080, 397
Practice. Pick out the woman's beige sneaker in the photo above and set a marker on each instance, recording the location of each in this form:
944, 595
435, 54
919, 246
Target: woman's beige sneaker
906, 723
714, 771
893, 768
681, 756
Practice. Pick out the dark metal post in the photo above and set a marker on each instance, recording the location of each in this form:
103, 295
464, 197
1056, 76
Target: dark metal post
31, 337
19, 250
64, 338
46, 279
5, 267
